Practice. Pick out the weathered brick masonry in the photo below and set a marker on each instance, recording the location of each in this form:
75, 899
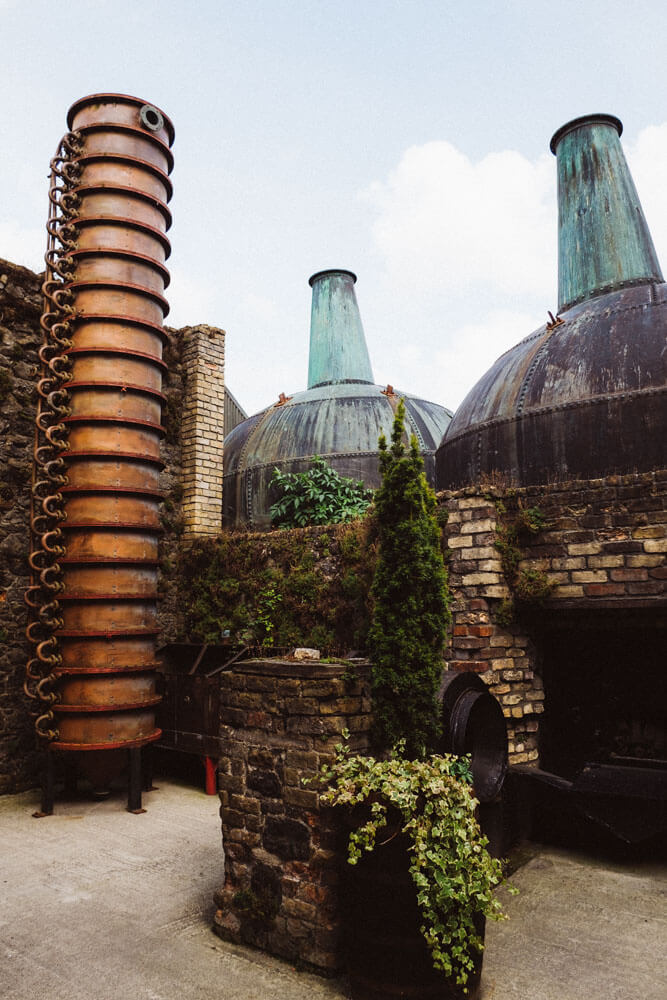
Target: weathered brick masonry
280, 722
603, 546
202, 429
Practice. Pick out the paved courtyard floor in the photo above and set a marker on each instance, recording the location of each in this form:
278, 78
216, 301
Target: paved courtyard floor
98, 904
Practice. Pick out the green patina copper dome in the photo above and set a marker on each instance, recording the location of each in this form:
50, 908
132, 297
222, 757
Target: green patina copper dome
340, 416
585, 395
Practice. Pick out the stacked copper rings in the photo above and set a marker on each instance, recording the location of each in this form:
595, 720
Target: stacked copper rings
106, 687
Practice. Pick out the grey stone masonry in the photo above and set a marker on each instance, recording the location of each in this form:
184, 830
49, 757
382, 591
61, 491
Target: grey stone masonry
202, 429
280, 722
20, 308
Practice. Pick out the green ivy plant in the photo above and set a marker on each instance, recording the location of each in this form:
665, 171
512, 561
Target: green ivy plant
410, 601
453, 873
318, 496
527, 586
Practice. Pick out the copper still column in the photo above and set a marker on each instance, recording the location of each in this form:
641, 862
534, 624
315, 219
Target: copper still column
115, 276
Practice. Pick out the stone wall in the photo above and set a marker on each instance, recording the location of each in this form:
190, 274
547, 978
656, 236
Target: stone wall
280, 723
20, 308
603, 546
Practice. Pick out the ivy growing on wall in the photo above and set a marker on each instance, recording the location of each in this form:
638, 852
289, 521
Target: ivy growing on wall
305, 587
527, 586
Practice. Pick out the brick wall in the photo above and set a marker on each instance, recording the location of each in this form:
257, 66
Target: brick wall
202, 429
504, 656
603, 546
280, 723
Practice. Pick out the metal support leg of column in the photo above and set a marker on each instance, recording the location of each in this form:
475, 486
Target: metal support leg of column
48, 787
134, 782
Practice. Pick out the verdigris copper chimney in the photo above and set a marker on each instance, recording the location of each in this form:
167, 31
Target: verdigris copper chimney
338, 351
603, 241
95, 516
339, 417
584, 395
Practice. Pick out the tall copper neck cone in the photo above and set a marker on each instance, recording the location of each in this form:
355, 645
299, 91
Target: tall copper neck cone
604, 243
338, 351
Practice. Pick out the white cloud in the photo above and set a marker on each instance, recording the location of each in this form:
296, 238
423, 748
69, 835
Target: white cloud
468, 256
21, 245
446, 223
647, 157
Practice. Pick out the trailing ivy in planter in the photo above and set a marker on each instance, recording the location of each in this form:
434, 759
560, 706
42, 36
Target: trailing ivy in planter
430, 804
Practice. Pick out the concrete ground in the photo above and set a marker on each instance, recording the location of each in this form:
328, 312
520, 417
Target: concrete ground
98, 904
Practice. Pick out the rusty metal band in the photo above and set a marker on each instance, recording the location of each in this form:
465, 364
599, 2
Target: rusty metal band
115, 220
129, 456
148, 529
75, 286
140, 668
147, 703
81, 319
125, 99
114, 252
81, 190
112, 745
140, 633
143, 390
130, 421
140, 355
146, 165
132, 133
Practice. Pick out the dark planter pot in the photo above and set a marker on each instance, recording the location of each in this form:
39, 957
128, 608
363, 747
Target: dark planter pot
386, 954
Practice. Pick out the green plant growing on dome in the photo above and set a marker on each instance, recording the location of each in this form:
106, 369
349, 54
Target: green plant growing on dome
318, 496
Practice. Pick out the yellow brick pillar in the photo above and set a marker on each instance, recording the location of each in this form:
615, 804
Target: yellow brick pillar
202, 429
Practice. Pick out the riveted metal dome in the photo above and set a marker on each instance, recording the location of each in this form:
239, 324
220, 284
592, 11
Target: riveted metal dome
584, 395
339, 417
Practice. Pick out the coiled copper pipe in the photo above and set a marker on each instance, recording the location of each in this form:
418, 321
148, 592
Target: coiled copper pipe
114, 279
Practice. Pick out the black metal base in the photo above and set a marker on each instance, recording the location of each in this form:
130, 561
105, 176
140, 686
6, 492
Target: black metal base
140, 779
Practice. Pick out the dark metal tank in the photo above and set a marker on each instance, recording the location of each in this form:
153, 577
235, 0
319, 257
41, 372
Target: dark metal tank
339, 417
583, 396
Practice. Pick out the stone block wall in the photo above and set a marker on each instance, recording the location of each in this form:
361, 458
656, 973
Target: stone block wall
280, 722
606, 541
604, 545
20, 309
203, 428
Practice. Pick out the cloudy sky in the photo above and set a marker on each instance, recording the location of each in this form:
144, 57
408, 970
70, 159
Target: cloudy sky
406, 140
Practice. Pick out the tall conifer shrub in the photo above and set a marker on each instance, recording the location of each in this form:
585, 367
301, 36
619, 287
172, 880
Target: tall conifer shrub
411, 602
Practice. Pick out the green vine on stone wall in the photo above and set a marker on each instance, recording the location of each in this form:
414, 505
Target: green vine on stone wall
290, 588
527, 586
